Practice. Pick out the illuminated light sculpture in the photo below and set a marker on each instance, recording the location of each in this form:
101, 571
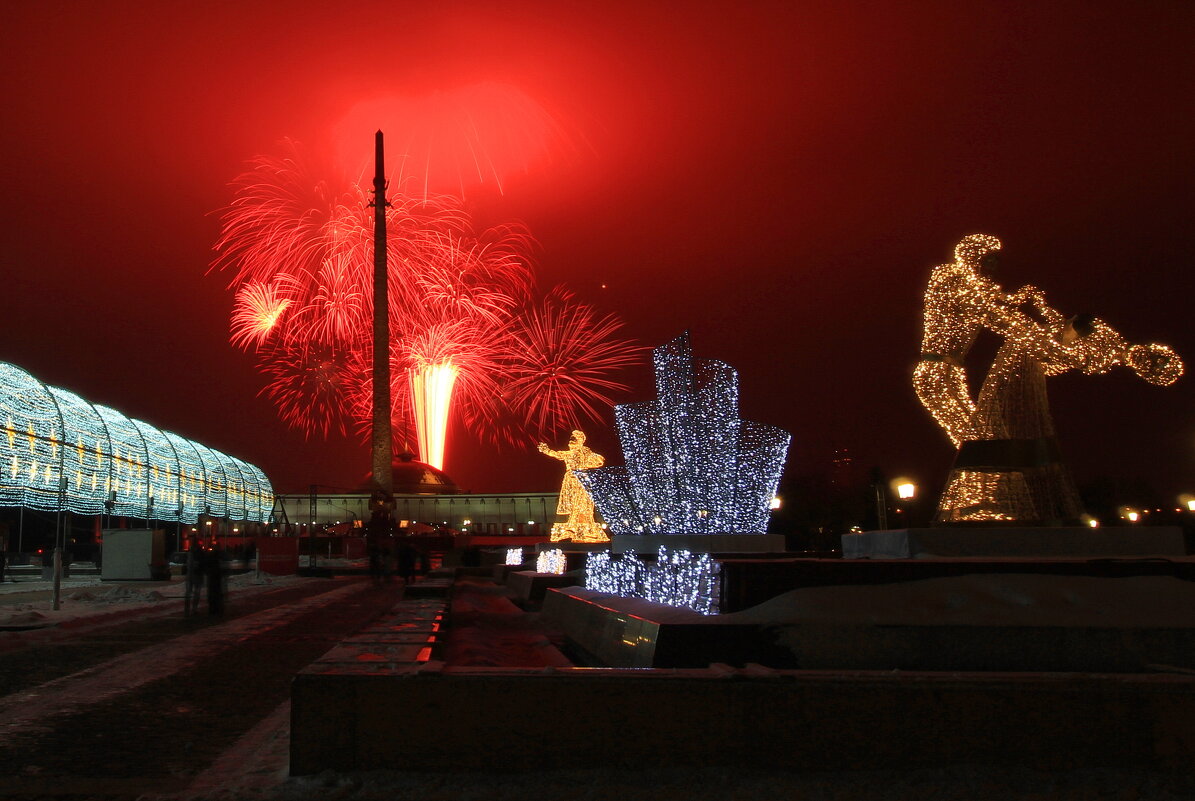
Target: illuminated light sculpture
60, 453
215, 488
1008, 466
958, 303
514, 556
192, 475
161, 477
550, 561
87, 474
574, 499
677, 578
692, 465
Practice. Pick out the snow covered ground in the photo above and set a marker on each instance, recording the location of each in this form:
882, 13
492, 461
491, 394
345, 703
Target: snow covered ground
256, 767
989, 599
28, 604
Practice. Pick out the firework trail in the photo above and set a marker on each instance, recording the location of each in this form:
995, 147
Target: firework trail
255, 313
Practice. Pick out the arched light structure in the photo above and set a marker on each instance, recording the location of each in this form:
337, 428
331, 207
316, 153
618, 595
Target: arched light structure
59, 452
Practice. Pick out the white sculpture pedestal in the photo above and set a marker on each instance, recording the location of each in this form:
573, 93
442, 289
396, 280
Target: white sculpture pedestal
1014, 542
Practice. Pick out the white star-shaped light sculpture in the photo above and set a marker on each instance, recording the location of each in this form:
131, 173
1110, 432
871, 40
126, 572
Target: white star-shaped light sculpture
692, 465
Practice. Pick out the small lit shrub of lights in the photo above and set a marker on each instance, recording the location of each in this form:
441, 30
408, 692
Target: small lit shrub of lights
514, 556
550, 561
677, 578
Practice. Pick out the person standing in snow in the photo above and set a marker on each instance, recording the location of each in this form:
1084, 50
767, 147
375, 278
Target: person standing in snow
194, 570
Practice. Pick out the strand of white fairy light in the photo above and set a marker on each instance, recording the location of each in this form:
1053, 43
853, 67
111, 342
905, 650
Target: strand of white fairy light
678, 578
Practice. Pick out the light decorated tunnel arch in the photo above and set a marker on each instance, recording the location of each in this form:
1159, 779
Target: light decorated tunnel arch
60, 452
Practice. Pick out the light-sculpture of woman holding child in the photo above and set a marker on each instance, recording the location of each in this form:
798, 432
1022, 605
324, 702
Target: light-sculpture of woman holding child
574, 500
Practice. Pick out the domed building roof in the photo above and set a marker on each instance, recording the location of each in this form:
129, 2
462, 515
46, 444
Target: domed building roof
413, 477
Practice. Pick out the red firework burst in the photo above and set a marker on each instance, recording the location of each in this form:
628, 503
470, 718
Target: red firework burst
255, 313
338, 307
359, 398
301, 250
309, 383
557, 364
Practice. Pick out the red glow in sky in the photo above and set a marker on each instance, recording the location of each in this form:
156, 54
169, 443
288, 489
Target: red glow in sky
299, 248
450, 141
777, 177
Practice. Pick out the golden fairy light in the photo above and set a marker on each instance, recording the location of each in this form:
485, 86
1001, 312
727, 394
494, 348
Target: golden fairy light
1008, 465
574, 500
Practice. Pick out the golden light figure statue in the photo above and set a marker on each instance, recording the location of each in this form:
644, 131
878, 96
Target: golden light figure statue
574, 500
1008, 467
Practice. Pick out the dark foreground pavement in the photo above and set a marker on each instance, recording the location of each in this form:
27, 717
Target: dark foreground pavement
156, 707
147, 704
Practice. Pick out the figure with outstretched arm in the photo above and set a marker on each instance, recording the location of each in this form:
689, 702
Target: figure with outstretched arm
960, 300
574, 500
1008, 466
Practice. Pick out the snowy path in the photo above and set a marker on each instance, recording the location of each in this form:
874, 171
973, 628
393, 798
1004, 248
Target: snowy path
205, 707
35, 708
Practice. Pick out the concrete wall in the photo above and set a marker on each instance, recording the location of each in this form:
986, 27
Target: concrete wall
434, 718
133, 555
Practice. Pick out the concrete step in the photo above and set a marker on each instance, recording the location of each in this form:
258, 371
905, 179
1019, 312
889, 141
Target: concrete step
32, 571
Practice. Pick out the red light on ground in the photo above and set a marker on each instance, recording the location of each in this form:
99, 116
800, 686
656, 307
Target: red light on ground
425, 654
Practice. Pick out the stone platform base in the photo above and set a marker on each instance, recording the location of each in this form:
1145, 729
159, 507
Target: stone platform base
699, 543
431, 717
1028, 543
528, 585
499, 573
748, 581
675, 638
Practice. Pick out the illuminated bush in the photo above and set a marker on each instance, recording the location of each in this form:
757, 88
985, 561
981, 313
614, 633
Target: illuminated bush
677, 578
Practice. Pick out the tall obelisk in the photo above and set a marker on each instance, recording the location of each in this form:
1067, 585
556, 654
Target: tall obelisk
383, 484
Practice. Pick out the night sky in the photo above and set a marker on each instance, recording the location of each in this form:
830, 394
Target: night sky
777, 178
